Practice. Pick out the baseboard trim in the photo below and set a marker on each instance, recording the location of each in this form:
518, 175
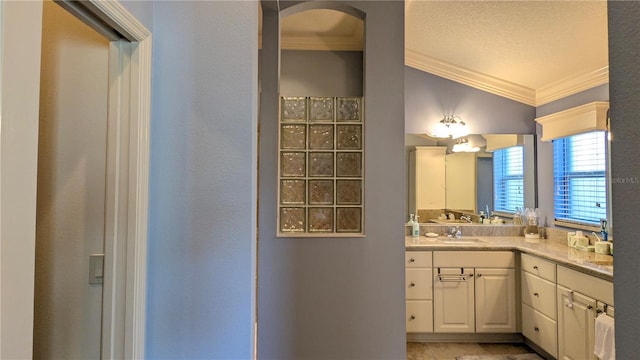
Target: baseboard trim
450, 337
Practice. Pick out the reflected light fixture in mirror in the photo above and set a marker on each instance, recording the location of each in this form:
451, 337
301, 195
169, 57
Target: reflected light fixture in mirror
463, 145
450, 126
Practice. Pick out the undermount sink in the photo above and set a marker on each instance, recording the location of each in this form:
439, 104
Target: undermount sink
461, 240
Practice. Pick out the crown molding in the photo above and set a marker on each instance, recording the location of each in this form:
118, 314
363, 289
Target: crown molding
552, 92
572, 85
471, 78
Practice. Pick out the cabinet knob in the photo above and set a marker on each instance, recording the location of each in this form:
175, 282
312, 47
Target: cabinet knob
535, 328
589, 307
412, 317
412, 284
535, 267
536, 294
412, 260
479, 275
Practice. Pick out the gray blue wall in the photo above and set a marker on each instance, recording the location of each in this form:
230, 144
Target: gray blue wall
320, 73
338, 298
624, 82
429, 97
202, 196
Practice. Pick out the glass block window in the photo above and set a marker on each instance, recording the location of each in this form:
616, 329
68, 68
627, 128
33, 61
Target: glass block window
321, 166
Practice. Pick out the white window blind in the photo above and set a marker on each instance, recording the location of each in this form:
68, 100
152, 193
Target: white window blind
508, 181
579, 174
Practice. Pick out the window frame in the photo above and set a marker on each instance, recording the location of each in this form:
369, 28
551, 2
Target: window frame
500, 182
566, 160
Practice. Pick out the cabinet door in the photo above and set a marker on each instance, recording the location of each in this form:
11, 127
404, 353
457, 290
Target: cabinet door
495, 300
418, 284
460, 170
576, 325
453, 300
419, 316
429, 182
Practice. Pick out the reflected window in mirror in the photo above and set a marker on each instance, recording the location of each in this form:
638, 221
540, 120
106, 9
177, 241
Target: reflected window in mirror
580, 181
516, 186
508, 179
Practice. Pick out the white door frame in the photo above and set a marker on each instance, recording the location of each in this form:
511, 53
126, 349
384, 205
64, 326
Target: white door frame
127, 196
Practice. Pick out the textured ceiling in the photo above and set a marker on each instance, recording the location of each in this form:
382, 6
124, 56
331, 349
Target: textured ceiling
529, 43
530, 51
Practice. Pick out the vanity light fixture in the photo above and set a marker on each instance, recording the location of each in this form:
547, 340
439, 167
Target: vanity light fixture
463, 145
450, 126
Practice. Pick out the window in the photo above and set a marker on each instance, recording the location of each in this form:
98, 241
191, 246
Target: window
508, 180
321, 166
579, 175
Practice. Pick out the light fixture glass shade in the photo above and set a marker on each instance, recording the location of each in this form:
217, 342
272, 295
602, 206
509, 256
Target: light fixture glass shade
463, 145
450, 127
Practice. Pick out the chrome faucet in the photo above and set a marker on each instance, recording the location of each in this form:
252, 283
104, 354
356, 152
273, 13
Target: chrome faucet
466, 218
455, 232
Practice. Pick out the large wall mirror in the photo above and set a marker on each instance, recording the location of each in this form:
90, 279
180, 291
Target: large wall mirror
470, 175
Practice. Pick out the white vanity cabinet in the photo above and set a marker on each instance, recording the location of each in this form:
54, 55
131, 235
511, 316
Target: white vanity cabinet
454, 304
427, 178
579, 296
538, 293
495, 300
461, 181
474, 292
418, 291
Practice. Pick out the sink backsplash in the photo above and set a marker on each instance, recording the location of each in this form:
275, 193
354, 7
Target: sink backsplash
550, 234
426, 215
471, 230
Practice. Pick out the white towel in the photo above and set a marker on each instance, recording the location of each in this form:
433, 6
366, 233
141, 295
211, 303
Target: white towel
605, 347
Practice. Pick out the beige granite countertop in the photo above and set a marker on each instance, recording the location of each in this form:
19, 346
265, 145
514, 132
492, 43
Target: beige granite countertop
588, 262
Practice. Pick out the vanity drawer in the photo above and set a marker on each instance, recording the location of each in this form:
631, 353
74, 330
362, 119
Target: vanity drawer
540, 329
419, 316
536, 266
415, 259
586, 284
418, 284
540, 294
482, 259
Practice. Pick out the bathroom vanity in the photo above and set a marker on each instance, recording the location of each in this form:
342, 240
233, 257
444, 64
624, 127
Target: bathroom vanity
501, 288
474, 293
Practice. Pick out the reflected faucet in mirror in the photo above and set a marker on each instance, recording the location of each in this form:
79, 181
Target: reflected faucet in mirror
466, 218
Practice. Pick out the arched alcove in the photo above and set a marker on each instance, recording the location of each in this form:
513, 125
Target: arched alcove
341, 295
321, 125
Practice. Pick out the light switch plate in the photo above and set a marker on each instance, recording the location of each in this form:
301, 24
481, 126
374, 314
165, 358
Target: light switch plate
96, 268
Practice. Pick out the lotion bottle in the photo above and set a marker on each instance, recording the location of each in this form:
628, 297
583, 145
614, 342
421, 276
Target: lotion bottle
410, 224
415, 228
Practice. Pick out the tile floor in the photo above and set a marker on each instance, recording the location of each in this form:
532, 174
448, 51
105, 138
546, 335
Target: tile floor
449, 351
